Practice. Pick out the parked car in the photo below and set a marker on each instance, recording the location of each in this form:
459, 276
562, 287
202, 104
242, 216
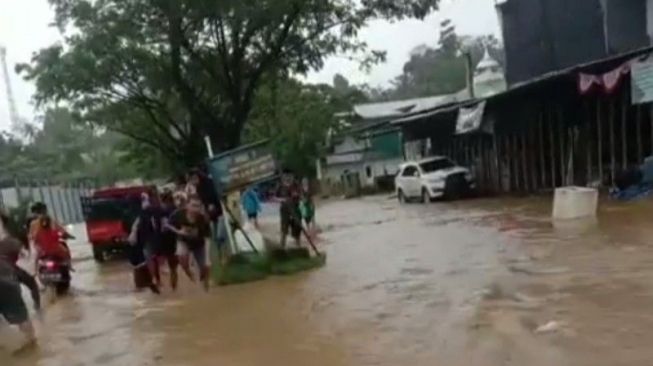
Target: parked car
431, 178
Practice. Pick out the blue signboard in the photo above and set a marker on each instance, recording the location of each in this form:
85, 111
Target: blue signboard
246, 165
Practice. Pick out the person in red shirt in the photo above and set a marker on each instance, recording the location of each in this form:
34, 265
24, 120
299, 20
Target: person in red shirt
48, 240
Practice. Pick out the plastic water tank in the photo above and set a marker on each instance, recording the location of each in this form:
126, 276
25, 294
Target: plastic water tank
575, 203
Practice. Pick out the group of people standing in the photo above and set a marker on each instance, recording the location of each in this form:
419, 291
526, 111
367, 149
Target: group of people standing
182, 224
177, 228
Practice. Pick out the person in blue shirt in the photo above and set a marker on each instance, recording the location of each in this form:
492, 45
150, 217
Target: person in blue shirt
251, 204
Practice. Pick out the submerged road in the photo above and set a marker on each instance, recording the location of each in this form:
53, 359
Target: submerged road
477, 282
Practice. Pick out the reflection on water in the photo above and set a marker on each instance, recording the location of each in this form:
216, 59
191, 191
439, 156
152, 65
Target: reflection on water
463, 283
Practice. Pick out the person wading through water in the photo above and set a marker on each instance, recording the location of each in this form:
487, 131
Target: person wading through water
251, 204
144, 237
200, 184
180, 198
168, 244
12, 306
288, 194
193, 231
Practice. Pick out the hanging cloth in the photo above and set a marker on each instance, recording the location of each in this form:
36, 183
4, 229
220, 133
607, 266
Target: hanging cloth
607, 82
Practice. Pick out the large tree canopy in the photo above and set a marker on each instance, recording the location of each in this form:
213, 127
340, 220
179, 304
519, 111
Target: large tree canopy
62, 149
298, 117
442, 70
167, 72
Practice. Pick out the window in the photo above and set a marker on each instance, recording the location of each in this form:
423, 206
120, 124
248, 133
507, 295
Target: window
435, 165
409, 171
368, 171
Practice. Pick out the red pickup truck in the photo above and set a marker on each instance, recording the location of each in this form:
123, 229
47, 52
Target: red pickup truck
109, 214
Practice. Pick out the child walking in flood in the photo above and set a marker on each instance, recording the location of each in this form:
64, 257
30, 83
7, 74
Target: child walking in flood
307, 209
251, 204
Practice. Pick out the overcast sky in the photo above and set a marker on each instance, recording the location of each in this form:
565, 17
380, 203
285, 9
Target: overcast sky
24, 28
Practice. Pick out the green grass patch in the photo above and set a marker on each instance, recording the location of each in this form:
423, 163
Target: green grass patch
241, 268
295, 265
249, 267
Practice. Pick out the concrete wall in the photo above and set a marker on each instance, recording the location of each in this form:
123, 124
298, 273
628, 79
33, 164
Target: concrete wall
347, 145
332, 174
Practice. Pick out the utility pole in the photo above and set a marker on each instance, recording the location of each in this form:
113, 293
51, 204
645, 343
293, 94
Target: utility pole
469, 76
13, 112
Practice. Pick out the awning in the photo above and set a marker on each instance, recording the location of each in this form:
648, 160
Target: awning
432, 113
415, 117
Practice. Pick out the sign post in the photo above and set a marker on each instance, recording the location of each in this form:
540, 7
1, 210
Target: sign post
239, 168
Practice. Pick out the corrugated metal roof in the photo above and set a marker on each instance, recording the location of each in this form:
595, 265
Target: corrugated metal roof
452, 107
520, 87
395, 109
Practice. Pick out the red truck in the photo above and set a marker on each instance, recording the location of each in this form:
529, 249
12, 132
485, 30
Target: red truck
109, 214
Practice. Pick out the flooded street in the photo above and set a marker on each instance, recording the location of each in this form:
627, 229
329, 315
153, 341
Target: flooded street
477, 282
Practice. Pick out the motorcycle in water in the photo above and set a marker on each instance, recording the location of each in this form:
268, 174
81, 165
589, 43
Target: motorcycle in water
54, 271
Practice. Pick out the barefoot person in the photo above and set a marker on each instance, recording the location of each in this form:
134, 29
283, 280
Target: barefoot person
193, 231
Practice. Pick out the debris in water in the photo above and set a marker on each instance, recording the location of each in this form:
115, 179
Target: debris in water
550, 327
537, 271
525, 302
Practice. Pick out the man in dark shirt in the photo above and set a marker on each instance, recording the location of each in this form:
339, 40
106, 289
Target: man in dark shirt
148, 236
206, 191
289, 194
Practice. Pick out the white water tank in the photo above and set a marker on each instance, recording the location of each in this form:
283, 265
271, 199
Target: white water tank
575, 203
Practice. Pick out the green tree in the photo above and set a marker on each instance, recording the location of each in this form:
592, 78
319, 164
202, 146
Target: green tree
167, 72
60, 148
297, 120
434, 71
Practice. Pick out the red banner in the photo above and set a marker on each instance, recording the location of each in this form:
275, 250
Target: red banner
606, 83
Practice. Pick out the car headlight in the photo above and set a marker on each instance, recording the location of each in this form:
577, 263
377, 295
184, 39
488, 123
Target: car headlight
436, 180
468, 176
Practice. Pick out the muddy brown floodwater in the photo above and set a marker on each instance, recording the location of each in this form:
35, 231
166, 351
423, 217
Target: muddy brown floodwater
477, 282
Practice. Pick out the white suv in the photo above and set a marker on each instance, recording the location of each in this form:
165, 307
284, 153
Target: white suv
432, 178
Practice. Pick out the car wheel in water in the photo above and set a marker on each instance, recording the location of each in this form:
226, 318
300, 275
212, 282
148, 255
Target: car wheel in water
98, 254
426, 198
401, 197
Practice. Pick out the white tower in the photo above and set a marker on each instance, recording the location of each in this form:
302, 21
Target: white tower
488, 77
13, 112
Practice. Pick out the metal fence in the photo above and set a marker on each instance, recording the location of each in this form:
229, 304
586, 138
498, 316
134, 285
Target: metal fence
62, 198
